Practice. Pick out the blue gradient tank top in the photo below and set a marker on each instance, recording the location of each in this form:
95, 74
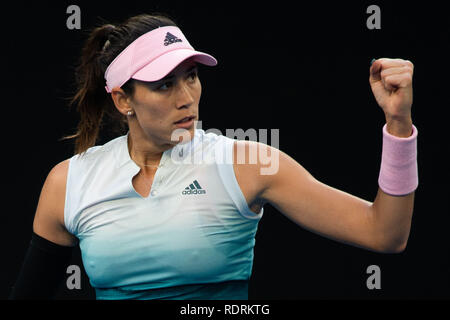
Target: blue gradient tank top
191, 238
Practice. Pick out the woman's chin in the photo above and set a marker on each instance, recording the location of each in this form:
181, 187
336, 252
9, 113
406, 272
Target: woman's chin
182, 135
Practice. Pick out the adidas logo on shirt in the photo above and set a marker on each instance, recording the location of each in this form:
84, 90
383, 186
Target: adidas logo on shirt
193, 188
170, 38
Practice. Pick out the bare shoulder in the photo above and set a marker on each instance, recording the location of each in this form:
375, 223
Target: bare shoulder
58, 174
261, 167
255, 164
54, 187
49, 217
258, 159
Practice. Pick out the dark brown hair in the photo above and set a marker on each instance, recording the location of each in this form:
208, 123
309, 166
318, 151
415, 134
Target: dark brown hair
94, 105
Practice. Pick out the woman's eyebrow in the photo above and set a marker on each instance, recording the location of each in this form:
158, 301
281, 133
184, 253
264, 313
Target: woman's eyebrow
191, 68
170, 76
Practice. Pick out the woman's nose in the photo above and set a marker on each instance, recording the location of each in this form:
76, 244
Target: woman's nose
185, 97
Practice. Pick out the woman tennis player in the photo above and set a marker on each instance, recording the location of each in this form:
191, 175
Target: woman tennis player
150, 227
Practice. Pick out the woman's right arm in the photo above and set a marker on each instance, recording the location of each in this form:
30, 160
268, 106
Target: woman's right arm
51, 244
49, 219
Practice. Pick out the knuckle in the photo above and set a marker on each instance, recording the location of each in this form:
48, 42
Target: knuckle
388, 79
407, 69
409, 63
408, 77
410, 67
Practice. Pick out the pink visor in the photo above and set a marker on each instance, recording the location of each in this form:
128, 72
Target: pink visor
152, 56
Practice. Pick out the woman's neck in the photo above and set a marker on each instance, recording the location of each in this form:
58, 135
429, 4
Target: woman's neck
143, 152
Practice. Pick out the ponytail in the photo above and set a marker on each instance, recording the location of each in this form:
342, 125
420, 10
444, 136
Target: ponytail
91, 99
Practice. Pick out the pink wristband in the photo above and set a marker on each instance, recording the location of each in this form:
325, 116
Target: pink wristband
398, 172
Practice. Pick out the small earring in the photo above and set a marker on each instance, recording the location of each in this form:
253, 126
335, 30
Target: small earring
130, 113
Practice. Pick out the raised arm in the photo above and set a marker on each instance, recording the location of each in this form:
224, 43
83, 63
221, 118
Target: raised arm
382, 225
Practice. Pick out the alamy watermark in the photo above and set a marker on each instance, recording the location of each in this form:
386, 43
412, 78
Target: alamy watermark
374, 280
374, 20
74, 20
257, 151
74, 280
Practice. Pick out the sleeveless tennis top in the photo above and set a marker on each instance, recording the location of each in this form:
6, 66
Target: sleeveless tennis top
191, 238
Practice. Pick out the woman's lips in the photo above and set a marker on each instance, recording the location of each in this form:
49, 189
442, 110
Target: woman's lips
186, 122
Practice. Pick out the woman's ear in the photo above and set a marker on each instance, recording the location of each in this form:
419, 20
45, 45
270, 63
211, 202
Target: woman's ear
121, 100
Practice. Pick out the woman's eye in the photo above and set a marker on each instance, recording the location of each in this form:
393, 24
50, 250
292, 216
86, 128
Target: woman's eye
165, 86
193, 75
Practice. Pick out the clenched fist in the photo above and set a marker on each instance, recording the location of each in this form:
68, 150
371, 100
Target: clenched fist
391, 83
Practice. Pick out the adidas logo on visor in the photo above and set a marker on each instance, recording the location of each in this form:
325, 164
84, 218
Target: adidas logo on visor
193, 188
170, 38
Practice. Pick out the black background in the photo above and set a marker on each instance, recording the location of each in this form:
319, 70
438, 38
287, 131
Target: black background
298, 67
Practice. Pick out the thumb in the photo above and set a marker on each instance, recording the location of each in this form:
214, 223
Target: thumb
375, 71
